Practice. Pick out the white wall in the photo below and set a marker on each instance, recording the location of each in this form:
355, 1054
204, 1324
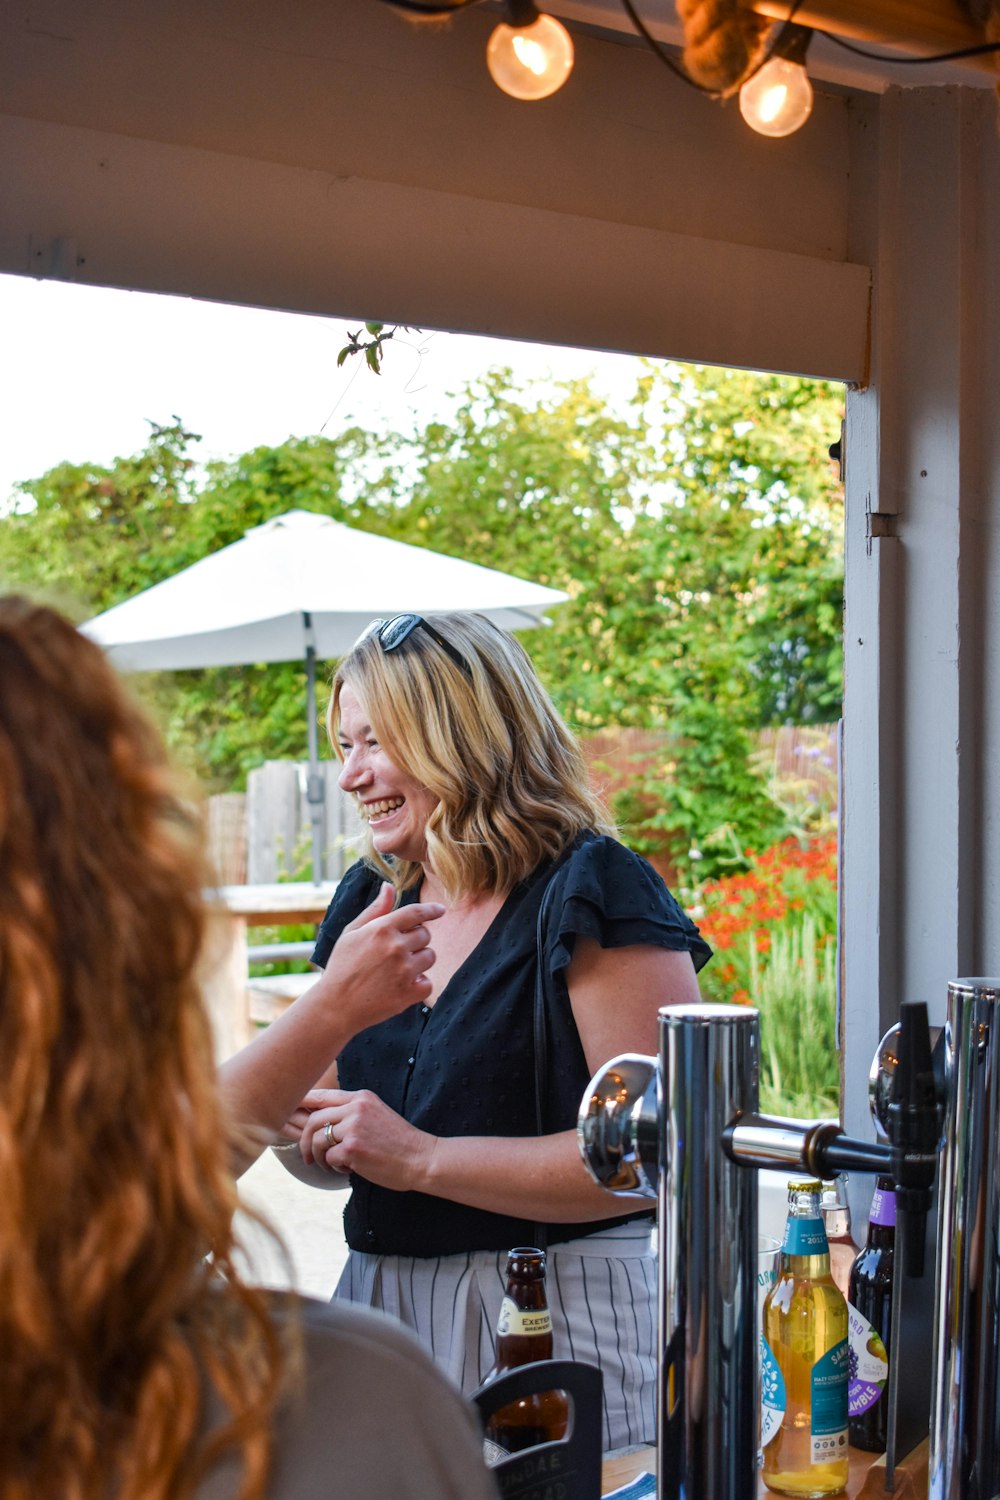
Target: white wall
331, 158
922, 634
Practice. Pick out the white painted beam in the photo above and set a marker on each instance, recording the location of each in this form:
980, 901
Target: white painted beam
159, 217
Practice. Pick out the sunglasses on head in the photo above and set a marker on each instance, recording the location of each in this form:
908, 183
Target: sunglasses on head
391, 634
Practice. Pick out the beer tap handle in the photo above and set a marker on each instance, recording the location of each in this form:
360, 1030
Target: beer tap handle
818, 1147
912, 1122
913, 1126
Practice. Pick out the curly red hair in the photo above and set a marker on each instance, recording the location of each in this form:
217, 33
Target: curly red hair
119, 1302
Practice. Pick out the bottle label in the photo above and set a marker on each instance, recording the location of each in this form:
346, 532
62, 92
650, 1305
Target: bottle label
828, 1436
804, 1237
772, 1394
493, 1453
883, 1210
516, 1320
869, 1364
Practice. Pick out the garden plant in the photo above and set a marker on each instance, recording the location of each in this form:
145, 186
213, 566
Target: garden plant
774, 930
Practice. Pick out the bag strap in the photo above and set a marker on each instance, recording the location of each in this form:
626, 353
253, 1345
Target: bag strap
540, 1020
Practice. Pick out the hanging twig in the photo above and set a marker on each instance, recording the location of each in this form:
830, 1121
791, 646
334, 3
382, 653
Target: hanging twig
371, 347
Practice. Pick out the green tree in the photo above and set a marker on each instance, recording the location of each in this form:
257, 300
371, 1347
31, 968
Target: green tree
93, 535
697, 534
699, 539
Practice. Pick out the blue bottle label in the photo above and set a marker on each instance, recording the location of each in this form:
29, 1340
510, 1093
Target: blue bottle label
829, 1405
805, 1237
772, 1394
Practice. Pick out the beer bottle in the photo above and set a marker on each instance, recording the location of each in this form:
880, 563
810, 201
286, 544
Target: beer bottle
870, 1318
524, 1335
837, 1223
804, 1360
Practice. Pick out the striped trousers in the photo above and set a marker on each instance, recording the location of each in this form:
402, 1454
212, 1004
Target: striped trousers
602, 1296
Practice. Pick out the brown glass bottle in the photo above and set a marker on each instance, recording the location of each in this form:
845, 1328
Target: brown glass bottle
524, 1335
870, 1314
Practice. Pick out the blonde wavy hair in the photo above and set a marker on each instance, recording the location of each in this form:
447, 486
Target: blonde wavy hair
509, 778
116, 1324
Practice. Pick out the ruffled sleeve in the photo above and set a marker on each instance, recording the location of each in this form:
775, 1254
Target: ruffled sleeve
608, 893
356, 890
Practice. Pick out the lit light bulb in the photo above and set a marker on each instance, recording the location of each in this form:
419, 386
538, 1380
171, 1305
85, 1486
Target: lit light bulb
778, 98
530, 62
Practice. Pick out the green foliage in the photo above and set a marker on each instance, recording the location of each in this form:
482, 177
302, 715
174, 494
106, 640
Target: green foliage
739, 912
372, 347
773, 928
295, 932
93, 535
697, 535
795, 991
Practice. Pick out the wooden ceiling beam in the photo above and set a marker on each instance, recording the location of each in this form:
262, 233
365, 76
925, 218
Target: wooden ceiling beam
917, 27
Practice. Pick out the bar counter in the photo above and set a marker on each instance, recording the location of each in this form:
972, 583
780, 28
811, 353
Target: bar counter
865, 1480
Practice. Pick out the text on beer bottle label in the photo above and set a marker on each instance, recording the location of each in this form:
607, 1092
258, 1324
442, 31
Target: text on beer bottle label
521, 1323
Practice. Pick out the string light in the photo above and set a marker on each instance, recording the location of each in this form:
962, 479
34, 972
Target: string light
530, 55
777, 99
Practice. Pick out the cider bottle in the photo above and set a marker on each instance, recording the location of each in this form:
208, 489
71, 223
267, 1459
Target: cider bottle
804, 1360
524, 1335
870, 1315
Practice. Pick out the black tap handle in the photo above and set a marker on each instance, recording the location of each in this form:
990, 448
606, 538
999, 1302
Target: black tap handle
913, 1129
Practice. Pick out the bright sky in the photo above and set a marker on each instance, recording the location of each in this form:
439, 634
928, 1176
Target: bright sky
84, 368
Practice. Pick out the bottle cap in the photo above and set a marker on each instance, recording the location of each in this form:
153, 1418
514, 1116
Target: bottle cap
808, 1185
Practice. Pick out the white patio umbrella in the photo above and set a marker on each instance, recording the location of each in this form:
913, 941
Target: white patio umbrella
302, 586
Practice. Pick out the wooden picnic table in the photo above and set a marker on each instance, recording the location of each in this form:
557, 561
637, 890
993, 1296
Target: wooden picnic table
233, 909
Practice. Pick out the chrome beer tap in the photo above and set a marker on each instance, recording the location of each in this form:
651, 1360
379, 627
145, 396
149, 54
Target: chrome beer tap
965, 1374
684, 1128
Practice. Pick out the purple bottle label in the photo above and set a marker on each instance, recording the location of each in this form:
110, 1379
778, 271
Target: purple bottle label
868, 1364
883, 1209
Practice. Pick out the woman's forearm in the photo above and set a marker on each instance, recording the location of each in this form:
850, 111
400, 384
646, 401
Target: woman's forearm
378, 967
262, 1084
524, 1177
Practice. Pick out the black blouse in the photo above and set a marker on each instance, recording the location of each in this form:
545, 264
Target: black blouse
465, 1066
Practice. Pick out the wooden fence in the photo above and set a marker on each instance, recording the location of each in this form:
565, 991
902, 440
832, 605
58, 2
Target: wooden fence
264, 835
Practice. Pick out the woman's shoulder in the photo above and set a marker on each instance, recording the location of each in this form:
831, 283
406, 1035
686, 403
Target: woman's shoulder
369, 1338
369, 1401
372, 1375
598, 859
609, 892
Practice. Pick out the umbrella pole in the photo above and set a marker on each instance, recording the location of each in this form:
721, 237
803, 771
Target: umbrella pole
315, 782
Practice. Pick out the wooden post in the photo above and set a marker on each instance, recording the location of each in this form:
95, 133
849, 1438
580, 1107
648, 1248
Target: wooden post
224, 983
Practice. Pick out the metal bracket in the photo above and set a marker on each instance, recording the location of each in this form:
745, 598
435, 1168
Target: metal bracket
54, 260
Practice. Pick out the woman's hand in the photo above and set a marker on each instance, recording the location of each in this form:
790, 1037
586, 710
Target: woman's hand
378, 968
364, 1136
379, 963
525, 1177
